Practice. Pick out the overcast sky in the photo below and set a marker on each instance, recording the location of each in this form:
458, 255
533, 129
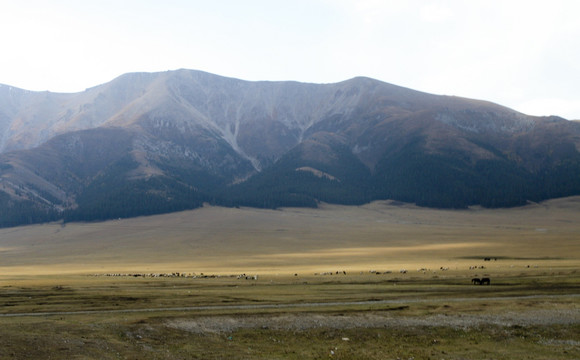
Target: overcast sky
521, 54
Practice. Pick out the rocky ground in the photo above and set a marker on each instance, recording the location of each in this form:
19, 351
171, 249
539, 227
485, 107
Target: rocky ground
299, 322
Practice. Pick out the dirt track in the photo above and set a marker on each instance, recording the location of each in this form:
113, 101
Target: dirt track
539, 317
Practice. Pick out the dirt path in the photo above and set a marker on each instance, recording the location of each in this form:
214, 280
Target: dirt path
571, 315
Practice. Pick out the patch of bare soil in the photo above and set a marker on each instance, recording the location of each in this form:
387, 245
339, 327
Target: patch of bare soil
298, 322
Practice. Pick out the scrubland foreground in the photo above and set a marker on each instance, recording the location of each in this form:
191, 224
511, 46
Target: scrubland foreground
381, 281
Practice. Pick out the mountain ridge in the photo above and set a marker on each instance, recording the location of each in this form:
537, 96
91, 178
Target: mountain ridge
180, 138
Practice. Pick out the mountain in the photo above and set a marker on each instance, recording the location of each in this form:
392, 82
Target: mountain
148, 143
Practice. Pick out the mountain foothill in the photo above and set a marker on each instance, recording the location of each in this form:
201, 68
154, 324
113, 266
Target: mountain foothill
149, 143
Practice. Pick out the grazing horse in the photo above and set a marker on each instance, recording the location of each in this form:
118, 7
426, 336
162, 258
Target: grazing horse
476, 281
485, 281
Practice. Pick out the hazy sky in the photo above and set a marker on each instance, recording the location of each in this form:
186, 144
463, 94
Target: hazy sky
522, 54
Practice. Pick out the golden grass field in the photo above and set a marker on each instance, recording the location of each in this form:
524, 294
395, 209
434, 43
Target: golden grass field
53, 306
381, 236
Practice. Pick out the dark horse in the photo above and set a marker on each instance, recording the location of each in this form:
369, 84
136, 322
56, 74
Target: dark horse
482, 281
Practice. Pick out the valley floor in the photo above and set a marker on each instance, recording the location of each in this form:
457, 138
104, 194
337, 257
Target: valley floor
351, 317
380, 281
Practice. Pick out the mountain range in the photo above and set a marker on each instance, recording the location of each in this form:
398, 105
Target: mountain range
149, 143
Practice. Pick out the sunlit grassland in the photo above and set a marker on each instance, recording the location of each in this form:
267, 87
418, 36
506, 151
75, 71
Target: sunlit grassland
221, 240
56, 274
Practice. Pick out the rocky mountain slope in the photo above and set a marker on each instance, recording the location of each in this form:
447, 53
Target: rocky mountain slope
157, 142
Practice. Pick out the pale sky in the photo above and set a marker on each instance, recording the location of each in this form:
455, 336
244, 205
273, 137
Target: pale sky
521, 54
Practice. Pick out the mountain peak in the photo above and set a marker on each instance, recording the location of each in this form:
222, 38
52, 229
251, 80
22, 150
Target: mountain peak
178, 138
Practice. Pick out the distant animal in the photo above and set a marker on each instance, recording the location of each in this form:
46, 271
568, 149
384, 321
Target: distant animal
476, 281
485, 281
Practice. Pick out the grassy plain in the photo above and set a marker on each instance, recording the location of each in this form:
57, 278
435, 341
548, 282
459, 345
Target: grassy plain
56, 302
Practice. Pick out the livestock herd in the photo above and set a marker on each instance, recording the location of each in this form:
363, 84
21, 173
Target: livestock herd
424, 270
179, 275
475, 281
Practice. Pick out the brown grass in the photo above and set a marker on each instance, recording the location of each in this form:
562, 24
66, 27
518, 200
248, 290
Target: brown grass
530, 310
381, 235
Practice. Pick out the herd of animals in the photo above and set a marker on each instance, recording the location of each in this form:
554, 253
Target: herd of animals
474, 281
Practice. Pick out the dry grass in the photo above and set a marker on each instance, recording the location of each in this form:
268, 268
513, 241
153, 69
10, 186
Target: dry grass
221, 240
428, 314
433, 318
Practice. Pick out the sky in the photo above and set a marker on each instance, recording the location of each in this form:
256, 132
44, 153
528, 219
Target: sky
521, 54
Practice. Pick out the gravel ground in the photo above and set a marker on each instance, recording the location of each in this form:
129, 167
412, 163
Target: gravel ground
219, 324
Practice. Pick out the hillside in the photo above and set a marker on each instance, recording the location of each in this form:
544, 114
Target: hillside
381, 235
148, 143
